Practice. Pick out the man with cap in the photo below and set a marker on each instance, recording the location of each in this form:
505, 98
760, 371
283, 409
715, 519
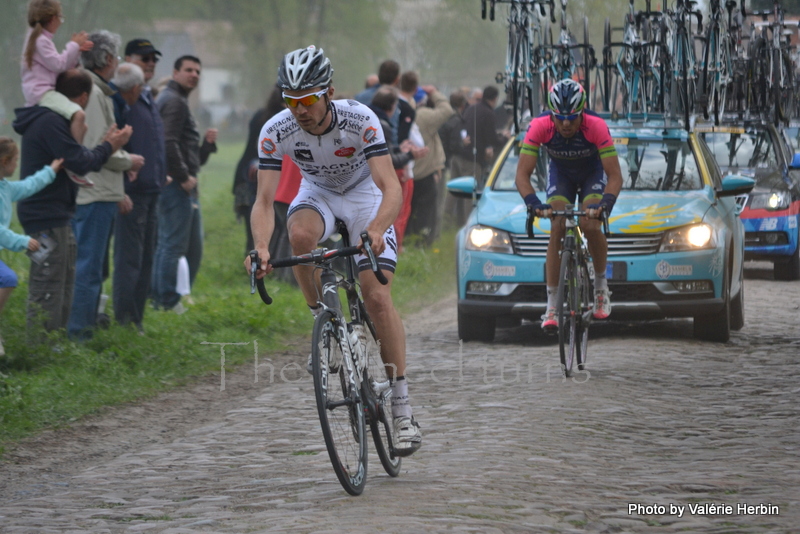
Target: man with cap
135, 232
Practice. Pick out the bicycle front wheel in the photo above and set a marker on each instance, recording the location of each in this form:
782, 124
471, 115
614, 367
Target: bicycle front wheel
568, 312
377, 395
339, 404
585, 303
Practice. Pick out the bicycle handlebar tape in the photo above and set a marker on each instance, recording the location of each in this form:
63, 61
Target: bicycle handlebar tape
262, 292
529, 222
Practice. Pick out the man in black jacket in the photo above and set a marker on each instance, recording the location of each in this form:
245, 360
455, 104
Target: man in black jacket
481, 127
47, 215
180, 224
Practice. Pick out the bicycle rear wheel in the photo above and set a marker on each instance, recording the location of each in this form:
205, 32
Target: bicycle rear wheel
377, 395
339, 404
568, 313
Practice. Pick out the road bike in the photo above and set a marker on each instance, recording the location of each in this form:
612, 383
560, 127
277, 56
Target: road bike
574, 301
521, 77
351, 383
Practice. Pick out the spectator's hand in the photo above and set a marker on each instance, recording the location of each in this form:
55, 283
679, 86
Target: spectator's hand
137, 162
125, 205
211, 135
419, 151
405, 146
466, 140
82, 39
118, 137
189, 184
33, 245
429, 89
57, 164
489, 153
132, 176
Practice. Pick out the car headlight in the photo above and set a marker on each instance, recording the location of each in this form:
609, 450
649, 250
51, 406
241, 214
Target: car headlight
489, 239
774, 201
693, 237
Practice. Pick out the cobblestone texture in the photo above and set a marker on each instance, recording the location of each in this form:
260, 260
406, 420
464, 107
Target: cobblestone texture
509, 446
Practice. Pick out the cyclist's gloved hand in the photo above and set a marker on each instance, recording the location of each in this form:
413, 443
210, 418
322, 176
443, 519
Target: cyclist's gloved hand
536, 205
606, 204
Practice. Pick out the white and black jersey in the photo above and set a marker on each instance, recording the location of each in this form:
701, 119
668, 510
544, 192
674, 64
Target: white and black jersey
335, 160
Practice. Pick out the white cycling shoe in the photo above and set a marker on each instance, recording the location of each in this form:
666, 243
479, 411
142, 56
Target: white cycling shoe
407, 436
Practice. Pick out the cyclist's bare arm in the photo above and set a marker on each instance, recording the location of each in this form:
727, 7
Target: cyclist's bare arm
262, 218
525, 167
614, 173
385, 178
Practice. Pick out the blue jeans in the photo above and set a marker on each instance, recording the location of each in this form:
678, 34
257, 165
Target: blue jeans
134, 248
180, 233
92, 226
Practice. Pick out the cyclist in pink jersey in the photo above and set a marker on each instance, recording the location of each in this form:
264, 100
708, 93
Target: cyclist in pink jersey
583, 163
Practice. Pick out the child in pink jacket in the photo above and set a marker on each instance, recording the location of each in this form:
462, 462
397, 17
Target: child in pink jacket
42, 63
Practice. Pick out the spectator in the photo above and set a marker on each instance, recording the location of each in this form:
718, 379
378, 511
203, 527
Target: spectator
406, 130
135, 232
428, 169
41, 64
11, 192
127, 84
457, 146
371, 81
47, 215
180, 223
388, 74
482, 130
244, 180
97, 206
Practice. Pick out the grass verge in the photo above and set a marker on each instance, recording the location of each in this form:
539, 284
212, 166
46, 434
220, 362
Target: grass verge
47, 381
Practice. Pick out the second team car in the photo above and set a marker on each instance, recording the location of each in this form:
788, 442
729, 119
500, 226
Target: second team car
771, 212
676, 247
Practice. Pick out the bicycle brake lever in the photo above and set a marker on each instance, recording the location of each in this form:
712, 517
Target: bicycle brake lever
256, 283
254, 261
366, 242
529, 222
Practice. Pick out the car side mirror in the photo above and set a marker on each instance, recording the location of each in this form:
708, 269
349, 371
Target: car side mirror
735, 184
463, 187
795, 161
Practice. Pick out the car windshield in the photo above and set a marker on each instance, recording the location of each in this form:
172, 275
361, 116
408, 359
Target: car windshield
793, 136
647, 165
750, 148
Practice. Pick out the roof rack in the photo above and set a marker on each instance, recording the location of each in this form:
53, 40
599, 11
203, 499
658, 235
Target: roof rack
651, 120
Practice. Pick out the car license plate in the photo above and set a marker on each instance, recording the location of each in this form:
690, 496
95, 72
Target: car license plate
615, 270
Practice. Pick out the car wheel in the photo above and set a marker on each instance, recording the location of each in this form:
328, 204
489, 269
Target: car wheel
790, 270
717, 326
737, 307
475, 327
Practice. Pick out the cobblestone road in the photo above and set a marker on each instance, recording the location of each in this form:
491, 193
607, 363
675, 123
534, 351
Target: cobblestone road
658, 420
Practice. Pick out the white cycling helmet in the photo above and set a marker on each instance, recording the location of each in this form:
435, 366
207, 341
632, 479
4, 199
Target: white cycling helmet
303, 69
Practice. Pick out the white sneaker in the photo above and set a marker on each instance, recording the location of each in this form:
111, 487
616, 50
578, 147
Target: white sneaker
2, 348
602, 304
179, 309
407, 436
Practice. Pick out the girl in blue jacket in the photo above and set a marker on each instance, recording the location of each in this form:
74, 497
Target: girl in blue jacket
11, 192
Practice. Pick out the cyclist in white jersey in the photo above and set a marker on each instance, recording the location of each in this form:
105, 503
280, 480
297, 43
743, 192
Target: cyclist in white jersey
347, 174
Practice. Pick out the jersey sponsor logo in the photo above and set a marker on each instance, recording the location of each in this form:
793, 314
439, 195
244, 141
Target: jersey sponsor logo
301, 143
337, 141
353, 102
346, 152
370, 134
267, 146
303, 154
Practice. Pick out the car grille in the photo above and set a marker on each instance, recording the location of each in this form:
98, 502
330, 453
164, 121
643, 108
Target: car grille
763, 239
622, 292
618, 244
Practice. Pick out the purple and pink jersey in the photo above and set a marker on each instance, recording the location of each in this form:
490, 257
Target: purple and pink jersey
576, 160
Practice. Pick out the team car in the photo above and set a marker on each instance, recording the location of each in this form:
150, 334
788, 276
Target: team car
771, 211
676, 246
